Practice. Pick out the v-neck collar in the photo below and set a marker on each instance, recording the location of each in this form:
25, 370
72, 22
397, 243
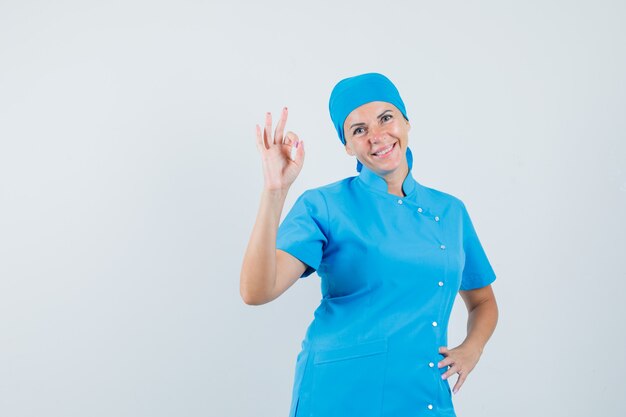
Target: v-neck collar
378, 183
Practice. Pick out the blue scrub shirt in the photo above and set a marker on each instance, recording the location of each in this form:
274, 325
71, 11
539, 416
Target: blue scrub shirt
390, 269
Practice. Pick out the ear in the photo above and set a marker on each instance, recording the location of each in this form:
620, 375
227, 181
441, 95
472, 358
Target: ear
348, 147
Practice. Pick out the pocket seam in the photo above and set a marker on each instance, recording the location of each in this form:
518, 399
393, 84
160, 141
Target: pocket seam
351, 352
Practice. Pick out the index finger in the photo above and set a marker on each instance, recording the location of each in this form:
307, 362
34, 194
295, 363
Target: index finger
280, 127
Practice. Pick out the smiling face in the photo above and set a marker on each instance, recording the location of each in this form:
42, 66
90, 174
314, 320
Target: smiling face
377, 134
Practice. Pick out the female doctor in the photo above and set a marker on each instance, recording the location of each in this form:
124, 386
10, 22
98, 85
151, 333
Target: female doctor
391, 253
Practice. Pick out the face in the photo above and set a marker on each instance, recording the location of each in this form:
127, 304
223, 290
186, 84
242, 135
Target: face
377, 134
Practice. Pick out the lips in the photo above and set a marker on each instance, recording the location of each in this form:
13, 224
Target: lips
385, 149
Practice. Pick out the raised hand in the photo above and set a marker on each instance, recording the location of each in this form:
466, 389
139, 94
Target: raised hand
282, 156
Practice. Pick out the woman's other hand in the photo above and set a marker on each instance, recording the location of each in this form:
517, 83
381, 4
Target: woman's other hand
282, 155
462, 360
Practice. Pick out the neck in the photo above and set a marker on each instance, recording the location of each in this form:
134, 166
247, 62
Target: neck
396, 178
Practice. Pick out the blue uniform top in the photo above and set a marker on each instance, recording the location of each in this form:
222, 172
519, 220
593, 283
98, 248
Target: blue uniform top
390, 269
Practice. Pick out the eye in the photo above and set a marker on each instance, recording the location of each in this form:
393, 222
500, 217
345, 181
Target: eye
387, 115
357, 130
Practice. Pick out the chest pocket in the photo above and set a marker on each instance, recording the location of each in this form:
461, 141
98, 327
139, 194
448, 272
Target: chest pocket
348, 381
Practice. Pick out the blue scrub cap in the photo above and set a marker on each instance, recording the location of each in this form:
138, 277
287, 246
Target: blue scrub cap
352, 92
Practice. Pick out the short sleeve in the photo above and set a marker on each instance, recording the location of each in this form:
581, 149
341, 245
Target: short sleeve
477, 272
303, 232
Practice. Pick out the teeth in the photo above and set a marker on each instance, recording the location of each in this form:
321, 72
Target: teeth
384, 151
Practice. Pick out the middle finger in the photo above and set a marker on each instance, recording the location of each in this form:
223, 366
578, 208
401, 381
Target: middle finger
280, 127
451, 371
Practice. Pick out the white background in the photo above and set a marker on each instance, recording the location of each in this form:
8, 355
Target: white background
130, 181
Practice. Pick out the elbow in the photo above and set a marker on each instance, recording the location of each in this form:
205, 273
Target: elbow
249, 297
252, 301
245, 294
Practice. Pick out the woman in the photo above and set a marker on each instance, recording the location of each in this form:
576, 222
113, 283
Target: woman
392, 255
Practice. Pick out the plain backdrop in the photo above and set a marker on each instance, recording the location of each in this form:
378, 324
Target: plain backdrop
130, 182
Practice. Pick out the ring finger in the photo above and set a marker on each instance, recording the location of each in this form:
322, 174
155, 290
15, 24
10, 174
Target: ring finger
280, 127
267, 132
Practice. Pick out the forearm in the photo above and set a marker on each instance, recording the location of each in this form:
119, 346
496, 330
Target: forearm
258, 271
481, 323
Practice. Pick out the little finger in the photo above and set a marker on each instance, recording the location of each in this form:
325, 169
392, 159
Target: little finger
259, 139
459, 382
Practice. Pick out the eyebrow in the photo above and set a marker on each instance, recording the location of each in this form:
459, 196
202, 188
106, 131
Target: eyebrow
363, 124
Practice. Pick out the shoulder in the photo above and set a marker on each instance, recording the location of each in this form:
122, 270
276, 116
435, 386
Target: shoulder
329, 191
441, 198
336, 186
323, 200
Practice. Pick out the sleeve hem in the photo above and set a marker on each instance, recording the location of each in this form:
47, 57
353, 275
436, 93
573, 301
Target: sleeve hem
310, 264
479, 283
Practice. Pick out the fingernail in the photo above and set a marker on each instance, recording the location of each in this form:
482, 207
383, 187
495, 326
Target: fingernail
297, 143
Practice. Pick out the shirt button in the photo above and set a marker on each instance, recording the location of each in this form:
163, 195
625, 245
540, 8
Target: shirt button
436, 218
430, 406
442, 246
431, 364
441, 283
419, 209
434, 323
399, 201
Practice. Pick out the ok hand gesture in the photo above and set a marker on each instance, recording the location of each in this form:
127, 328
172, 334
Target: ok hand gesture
282, 157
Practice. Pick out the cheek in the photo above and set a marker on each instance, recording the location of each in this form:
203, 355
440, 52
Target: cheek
396, 130
400, 129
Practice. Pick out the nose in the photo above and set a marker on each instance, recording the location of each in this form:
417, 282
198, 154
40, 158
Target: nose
376, 134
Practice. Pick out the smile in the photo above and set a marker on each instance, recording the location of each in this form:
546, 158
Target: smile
384, 152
